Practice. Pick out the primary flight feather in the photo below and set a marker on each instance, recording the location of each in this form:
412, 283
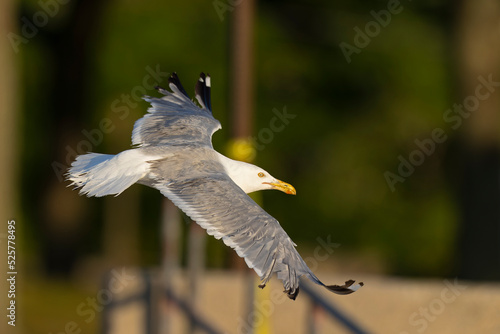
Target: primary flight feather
174, 154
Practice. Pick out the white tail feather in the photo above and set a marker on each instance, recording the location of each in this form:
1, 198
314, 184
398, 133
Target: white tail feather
104, 174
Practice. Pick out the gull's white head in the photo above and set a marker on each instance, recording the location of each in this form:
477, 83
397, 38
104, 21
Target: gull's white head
255, 178
252, 178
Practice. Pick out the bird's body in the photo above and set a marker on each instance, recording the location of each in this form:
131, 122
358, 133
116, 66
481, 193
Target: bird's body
174, 154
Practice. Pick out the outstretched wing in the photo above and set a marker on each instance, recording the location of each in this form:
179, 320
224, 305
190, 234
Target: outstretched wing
201, 188
175, 119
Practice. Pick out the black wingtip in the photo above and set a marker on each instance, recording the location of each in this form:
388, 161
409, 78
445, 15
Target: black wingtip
174, 80
161, 90
208, 84
345, 289
202, 90
292, 294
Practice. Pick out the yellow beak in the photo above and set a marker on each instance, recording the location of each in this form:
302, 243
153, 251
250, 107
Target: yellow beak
283, 186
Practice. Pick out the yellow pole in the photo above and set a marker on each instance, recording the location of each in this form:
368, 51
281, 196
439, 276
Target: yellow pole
243, 150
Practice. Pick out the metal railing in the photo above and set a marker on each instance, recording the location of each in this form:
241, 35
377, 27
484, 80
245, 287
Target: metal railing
199, 322
194, 317
331, 310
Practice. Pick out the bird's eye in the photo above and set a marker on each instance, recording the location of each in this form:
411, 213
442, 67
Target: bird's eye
261, 174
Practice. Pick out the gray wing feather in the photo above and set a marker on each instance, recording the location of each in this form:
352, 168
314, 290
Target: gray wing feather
202, 189
174, 120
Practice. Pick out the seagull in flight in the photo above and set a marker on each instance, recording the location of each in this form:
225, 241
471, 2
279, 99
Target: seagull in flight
173, 153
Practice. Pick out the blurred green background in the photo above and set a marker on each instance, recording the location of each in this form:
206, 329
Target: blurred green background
354, 118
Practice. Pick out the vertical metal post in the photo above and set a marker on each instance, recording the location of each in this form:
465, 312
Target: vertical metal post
171, 221
313, 314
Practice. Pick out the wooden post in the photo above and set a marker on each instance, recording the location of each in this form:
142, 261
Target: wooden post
478, 163
242, 55
242, 105
121, 224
